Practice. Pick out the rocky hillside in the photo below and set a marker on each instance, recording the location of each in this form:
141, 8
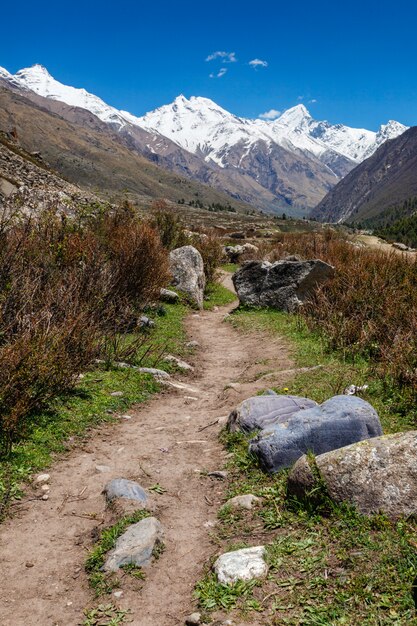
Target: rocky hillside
387, 178
287, 164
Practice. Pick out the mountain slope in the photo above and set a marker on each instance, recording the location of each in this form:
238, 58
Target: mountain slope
387, 178
87, 152
289, 163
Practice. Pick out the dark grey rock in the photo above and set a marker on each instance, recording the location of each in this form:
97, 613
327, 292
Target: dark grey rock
264, 411
136, 545
187, 270
338, 422
146, 322
123, 488
283, 285
376, 475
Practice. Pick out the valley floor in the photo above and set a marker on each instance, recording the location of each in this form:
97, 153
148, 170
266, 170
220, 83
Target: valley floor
171, 442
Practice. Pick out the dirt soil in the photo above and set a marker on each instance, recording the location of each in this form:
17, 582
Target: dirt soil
44, 546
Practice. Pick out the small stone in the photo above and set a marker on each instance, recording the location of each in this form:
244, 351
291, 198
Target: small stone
193, 620
222, 421
182, 365
118, 594
126, 417
117, 394
244, 564
234, 386
45, 497
221, 475
154, 372
102, 469
123, 488
247, 501
192, 344
167, 295
42, 478
45, 487
29, 564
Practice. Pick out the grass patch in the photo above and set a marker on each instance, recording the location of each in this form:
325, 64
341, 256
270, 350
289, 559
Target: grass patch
105, 615
217, 295
328, 565
89, 404
230, 267
103, 582
337, 369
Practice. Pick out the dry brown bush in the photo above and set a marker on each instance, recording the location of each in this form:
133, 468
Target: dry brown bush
63, 287
369, 308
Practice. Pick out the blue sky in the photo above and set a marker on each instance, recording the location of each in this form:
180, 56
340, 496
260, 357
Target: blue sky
349, 62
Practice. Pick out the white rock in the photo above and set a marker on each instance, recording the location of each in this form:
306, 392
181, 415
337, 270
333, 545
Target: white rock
42, 478
247, 501
244, 564
182, 365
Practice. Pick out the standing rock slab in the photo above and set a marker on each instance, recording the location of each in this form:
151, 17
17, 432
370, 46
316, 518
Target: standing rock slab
244, 564
187, 269
123, 488
261, 412
338, 422
136, 545
376, 475
283, 285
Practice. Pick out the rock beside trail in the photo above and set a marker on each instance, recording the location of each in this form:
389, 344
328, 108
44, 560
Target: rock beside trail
182, 365
338, 422
247, 501
136, 545
187, 269
154, 372
169, 296
283, 285
244, 564
376, 475
123, 488
260, 412
234, 253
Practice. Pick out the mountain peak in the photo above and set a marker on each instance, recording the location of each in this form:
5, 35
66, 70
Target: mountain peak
294, 116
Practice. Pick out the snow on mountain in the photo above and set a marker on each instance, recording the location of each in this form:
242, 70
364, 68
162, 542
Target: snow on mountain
38, 80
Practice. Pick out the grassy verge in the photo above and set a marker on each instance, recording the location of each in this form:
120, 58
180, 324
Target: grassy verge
91, 403
327, 564
217, 295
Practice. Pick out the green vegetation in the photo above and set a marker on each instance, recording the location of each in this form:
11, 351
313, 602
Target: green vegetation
217, 295
105, 615
103, 582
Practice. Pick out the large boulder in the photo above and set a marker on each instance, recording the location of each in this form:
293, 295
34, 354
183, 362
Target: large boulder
283, 285
377, 475
338, 422
187, 269
260, 412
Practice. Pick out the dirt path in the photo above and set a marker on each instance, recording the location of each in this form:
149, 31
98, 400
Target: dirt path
43, 548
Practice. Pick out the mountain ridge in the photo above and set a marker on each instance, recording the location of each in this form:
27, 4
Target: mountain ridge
288, 163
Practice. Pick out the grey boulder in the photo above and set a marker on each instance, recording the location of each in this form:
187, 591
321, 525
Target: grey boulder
136, 545
187, 269
245, 564
123, 488
283, 285
338, 422
376, 475
260, 412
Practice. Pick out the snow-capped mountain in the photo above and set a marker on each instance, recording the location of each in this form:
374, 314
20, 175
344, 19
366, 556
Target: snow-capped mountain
294, 157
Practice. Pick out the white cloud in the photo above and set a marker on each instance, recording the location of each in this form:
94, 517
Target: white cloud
312, 101
225, 57
220, 73
255, 63
300, 98
272, 114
